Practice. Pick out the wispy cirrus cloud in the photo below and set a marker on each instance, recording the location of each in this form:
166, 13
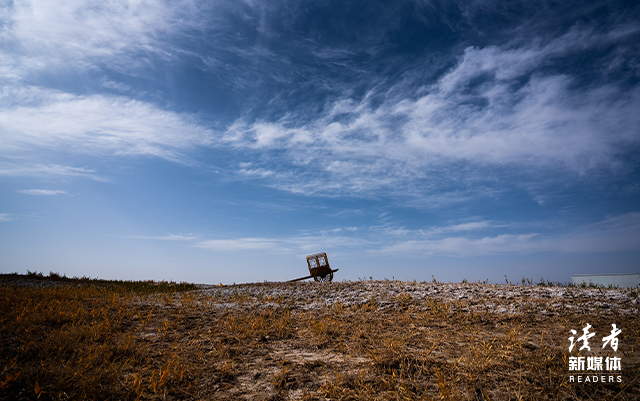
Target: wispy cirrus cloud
435, 231
82, 38
301, 243
463, 246
430, 135
4, 217
616, 233
38, 35
97, 124
44, 192
17, 170
170, 237
243, 244
498, 106
117, 86
327, 239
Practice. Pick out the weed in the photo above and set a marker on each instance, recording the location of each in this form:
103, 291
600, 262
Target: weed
93, 339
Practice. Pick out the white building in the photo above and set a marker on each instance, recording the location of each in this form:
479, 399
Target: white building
631, 280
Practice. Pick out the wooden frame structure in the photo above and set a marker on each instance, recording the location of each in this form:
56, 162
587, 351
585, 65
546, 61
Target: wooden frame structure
319, 268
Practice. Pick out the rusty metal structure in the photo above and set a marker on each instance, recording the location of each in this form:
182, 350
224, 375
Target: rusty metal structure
319, 268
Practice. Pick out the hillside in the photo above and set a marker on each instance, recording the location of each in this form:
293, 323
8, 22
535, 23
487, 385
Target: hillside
341, 340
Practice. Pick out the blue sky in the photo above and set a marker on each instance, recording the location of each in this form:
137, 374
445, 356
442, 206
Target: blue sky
222, 141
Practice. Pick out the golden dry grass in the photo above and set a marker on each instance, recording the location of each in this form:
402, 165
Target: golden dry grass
84, 340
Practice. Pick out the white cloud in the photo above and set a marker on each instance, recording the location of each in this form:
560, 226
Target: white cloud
117, 86
471, 226
462, 246
242, 244
79, 34
390, 231
267, 135
328, 239
38, 36
547, 124
171, 237
44, 192
407, 140
97, 124
13, 170
4, 217
620, 233
256, 172
344, 213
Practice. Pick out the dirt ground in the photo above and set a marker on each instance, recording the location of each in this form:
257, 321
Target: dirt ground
345, 340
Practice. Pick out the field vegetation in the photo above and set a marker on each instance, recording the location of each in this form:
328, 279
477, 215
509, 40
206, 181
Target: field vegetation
63, 338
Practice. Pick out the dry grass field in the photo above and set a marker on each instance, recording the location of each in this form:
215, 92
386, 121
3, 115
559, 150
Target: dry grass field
89, 339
